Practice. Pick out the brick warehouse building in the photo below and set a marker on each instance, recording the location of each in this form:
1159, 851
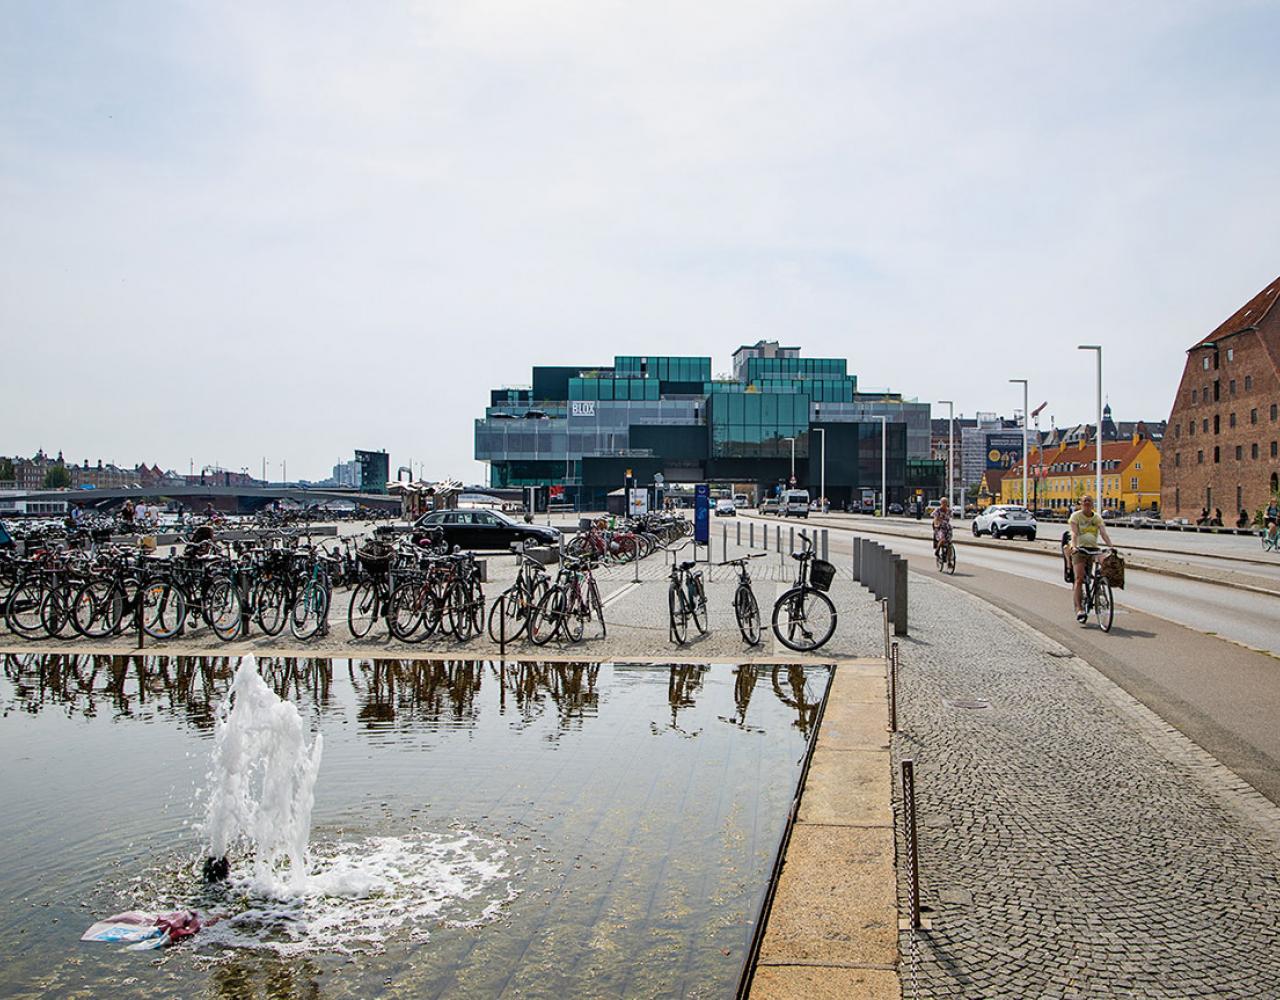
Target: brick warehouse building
1222, 445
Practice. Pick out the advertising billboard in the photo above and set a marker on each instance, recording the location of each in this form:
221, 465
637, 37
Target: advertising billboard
1004, 450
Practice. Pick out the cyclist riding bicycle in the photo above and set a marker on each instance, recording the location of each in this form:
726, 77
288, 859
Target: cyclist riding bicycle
1086, 526
941, 525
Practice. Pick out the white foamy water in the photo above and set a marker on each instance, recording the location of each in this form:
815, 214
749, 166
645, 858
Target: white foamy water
292, 896
361, 895
262, 784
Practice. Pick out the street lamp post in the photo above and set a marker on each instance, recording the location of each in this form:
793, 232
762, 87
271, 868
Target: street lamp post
1097, 471
951, 448
793, 460
884, 479
1026, 419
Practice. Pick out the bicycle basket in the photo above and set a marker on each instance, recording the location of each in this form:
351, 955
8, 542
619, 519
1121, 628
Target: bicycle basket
1112, 568
375, 557
822, 574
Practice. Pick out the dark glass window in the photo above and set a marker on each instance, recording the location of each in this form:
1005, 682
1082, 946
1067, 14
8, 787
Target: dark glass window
1253, 415
1217, 454
1253, 450
1239, 452
1248, 383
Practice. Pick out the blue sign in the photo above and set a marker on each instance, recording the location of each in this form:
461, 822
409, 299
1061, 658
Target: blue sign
702, 513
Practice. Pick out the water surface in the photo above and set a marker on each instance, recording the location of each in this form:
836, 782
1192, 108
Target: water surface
570, 829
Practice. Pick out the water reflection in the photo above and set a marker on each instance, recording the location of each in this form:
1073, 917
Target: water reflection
388, 693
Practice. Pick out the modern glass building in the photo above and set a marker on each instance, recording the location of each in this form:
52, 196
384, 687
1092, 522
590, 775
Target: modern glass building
581, 428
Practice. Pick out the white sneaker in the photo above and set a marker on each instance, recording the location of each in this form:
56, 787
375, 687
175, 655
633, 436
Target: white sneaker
1082, 617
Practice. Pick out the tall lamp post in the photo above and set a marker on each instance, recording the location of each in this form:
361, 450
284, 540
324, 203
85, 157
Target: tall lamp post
793, 460
1097, 471
951, 448
884, 489
1026, 419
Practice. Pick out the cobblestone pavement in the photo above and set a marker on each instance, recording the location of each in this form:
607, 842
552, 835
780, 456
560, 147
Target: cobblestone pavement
1067, 849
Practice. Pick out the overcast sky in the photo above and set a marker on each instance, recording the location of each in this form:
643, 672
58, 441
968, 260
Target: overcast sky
231, 231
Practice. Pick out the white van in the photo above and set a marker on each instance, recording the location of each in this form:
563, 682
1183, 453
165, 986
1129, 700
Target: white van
795, 503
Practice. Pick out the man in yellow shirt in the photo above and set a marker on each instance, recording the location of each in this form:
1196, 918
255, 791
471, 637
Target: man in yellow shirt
1086, 526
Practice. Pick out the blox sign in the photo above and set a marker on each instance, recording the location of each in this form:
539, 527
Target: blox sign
582, 408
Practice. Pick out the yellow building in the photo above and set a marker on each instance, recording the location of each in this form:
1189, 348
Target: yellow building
1057, 480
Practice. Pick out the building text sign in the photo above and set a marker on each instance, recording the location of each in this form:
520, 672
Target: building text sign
582, 408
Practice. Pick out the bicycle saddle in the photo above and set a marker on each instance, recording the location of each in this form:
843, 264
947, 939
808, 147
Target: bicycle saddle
689, 565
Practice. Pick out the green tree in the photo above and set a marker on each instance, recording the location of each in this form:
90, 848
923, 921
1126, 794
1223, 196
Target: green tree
57, 478
6, 470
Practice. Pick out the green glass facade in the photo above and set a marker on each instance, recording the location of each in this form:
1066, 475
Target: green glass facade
584, 427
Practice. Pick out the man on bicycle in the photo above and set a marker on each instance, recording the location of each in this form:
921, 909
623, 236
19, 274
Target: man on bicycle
941, 525
1086, 526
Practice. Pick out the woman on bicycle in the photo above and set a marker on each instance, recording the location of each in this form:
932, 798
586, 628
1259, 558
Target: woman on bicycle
941, 525
1086, 526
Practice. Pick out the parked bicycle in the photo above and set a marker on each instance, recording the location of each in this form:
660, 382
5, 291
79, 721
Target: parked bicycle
804, 619
510, 614
686, 599
745, 607
568, 605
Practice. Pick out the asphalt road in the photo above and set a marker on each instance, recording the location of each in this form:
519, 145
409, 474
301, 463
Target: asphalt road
1168, 647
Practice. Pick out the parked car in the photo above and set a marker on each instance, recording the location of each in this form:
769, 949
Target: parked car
1043, 513
1005, 521
795, 503
725, 508
769, 505
739, 500
485, 529
895, 508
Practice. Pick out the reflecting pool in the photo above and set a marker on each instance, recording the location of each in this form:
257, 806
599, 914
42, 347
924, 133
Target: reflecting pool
518, 829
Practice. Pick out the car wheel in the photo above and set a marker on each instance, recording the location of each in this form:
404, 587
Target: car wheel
976, 532
995, 531
1031, 537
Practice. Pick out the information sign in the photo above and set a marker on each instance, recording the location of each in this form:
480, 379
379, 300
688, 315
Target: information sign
702, 513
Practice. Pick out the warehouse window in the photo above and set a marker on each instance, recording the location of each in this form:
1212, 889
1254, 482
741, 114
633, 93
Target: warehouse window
1177, 459
1253, 415
1206, 362
1231, 420
1253, 451
1199, 458
1239, 452
1231, 354
1232, 386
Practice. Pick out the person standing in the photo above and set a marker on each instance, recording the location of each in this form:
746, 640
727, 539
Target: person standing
126, 515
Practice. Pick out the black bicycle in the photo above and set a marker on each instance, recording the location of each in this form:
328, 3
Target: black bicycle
516, 603
745, 608
1097, 598
686, 599
804, 619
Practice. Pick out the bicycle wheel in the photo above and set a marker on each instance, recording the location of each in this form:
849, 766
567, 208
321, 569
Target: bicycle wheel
576, 613
804, 619
55, 611
163, 607
1103, 608
456, 610
475, 608
222, 607
747, 612
366, 603
406, 612
677, 605
544, 622
951, 558
271, 602
97, 608
597, 606
23, 611
698, 606
505, 620
310, 612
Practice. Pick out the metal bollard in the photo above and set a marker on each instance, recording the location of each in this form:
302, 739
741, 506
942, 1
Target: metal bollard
913, 842
751, 535
893, 689
857, 560
884, 608
137, 619
738, 540
791, 539
826, 552
899, 596
724, 542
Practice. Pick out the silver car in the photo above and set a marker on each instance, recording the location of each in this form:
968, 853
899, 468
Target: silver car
1005, 521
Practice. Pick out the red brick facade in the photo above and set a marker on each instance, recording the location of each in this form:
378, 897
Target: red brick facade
1222, 446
